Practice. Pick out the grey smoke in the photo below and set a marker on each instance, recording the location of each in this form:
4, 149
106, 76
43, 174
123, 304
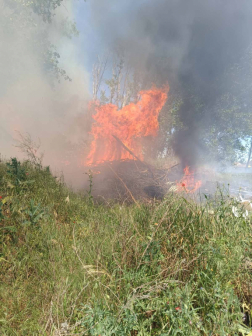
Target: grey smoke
190, 43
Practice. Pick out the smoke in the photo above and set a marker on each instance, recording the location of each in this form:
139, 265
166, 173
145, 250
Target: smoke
31, 100
189, 43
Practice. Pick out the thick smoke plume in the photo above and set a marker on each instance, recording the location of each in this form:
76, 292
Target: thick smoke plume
31, 100
189, 43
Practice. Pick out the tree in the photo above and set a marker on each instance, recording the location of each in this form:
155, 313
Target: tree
25, 28
117, 82
231, 125
122, 84
249, 154
192, 125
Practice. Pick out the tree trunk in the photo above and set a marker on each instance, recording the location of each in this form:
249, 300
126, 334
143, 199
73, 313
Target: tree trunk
249, 155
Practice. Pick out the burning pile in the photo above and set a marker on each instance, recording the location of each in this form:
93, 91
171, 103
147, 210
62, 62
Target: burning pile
116, 153
127, 181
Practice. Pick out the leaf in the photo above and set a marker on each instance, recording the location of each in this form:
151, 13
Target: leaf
10, 185
26, 182
10, 228
244, 331
7, 199
26, 223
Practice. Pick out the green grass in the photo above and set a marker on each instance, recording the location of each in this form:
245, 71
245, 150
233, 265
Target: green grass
167, 268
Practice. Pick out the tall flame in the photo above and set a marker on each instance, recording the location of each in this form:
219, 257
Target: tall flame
130, 125
188, 182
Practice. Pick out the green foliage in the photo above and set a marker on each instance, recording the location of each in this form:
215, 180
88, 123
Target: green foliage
101, 321
220, 124
1, 210
51, 62
122, 84
35, 213
172, 311
90, 180
29, 24
168, 268
45, 8
16, 172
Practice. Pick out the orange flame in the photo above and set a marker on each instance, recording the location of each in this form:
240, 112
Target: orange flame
188, 182
130, 125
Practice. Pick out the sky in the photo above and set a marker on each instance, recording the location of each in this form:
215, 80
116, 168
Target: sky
88, 40
91, 41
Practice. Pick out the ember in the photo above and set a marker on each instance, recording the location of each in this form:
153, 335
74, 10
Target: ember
188, 182
130, 124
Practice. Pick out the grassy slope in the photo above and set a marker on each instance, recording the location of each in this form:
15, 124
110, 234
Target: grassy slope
169, 268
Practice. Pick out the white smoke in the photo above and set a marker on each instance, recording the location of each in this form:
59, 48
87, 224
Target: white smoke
53, 115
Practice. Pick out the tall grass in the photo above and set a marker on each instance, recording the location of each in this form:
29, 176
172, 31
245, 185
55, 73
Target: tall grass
72, 267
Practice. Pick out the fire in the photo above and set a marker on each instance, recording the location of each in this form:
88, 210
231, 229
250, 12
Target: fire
130, 124
188, 182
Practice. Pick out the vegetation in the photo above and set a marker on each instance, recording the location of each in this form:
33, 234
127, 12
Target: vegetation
72, 267
31, 24
222, 130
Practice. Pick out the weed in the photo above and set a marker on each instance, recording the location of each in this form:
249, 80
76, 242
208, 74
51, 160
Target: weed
1, 209
90, 179
16, 172
167, 268
35, 213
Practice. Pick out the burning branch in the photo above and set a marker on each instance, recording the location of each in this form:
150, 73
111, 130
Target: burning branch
127, 149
